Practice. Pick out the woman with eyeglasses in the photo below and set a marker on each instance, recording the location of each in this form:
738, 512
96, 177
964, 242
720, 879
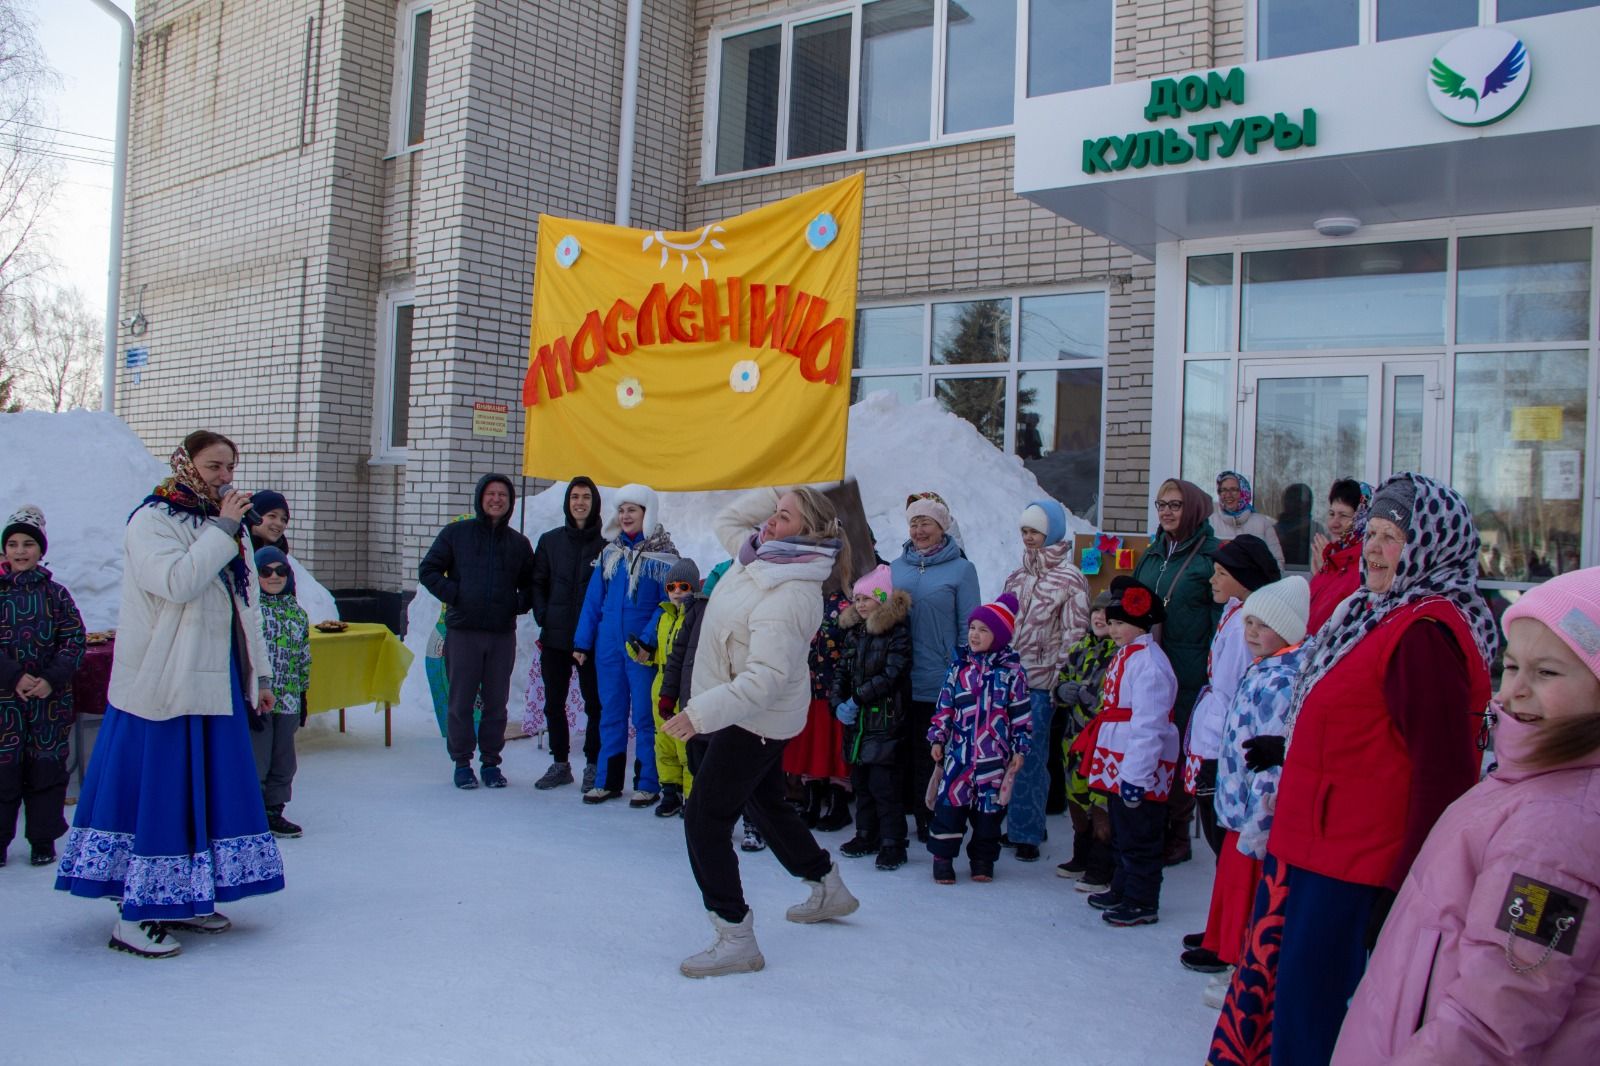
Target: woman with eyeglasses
170, 822
943, 586
1178, 566
1236, 514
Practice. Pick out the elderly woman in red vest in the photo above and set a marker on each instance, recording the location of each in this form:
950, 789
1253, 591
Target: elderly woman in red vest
1381, 740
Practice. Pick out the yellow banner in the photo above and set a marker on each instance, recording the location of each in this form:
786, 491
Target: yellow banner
717, 358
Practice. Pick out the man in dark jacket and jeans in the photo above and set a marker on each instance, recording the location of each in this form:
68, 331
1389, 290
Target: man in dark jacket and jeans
482, 571
562, 563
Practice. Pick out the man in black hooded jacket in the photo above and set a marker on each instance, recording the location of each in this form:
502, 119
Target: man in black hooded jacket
561, 565
482, 571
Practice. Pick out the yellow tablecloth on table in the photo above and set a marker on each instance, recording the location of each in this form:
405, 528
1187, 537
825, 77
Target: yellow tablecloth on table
364, 664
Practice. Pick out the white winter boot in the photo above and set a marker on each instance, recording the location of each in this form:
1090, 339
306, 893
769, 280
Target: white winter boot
829, 899
148, 940
1216, 992
215, 922
734, 950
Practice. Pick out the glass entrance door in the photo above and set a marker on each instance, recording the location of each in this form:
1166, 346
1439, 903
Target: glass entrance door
1306, 423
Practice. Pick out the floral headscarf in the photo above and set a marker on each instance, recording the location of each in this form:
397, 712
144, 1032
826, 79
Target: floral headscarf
1440, 558
1246, 503
1358, 528
185, 495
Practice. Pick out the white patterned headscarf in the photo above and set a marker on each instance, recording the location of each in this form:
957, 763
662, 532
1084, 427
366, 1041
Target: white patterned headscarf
1440, 558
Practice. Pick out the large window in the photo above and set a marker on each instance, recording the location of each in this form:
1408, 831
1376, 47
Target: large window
1293, 27
413, 44
877, 75
1344, 296
1027, 371
391, 414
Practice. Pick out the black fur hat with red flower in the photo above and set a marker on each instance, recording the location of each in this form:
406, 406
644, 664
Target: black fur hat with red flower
1135, 604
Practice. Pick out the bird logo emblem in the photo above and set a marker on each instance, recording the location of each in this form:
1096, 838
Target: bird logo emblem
1479, 77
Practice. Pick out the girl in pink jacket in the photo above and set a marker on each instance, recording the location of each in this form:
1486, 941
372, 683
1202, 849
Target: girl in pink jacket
1492, 951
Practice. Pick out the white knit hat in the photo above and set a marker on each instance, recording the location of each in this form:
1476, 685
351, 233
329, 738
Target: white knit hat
1283, 607
642, 495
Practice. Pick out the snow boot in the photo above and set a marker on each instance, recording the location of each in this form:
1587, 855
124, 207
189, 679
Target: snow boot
42, 855
838, 814
642, 799
1105, 901
1193, 940
1027, 852
493, 778
281, 826
1129, 913
734, 950
589, 772
148, 940
600, 795
982, 870
829, 899
1216, 993
944, 872
1072, 869
210, 924
753, 840
858, 846
816, 795
671, 801
465, 778
560, 773
1202, 960
1092, 885
891, 857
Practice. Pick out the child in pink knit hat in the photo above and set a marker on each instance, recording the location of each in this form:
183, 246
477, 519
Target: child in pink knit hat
1492, 950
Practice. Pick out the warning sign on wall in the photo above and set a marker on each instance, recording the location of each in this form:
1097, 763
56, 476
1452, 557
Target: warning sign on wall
489, 419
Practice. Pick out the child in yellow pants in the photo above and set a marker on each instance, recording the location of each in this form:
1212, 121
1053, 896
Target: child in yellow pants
677, 626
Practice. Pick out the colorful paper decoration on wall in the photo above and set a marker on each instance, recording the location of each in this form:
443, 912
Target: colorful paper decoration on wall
717, 358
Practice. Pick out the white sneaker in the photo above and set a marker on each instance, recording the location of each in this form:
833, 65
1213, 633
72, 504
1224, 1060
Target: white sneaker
1216, 992
148, 940
734, 950
829, 899
215, 922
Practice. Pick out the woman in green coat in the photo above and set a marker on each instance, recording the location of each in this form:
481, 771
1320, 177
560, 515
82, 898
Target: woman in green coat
1178, 566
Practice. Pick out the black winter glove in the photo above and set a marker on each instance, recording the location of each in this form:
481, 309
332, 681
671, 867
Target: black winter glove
1067, 693
1380, 912
258, 722
1263, 753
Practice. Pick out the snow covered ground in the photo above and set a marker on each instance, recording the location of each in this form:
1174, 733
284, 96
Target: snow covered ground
426, 925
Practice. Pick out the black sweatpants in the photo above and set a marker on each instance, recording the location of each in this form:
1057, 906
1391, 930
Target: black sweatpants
474, 661
1055, 800
1205, 805
950, 823
1137, 834
880, 815
739, 773
39, 788
916, 760
555, 667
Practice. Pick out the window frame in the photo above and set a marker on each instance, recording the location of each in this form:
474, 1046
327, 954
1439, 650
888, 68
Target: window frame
787, 22
406, 12
384, 451
928, 371
1366, 26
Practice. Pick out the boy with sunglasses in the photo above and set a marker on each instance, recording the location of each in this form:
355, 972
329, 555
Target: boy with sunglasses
284, 624
672, 757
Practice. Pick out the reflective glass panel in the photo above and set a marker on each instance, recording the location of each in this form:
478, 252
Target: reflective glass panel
417, 105
1405, 424
896, 73
1412, 18
400, 392
908, 387
1523, 287
1205, 421
1069, 45
747, 101
980, 64
1521, 9
1290, 27
974, 331
981, 401
1309, 432
1344, 296
1069, 326
1208, 313
1519, 432
889, 336
819, 88
1058, 434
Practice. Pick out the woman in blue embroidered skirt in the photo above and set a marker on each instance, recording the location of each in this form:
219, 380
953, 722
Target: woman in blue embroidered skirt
170, 822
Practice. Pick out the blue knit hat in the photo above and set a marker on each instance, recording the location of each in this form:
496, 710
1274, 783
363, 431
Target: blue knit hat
267, 556
269, 500
1048, 517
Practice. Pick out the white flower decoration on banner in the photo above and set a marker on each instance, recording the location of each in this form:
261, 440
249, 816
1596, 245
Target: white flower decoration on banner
821, 232
567, 251
629, 392
745, 376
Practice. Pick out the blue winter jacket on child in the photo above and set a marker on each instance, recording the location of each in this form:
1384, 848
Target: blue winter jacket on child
1260, 708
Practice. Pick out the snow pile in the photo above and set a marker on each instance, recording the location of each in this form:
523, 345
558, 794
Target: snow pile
88, 471
894, 449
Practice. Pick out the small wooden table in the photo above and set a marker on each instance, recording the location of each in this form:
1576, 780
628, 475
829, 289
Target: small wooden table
364, 664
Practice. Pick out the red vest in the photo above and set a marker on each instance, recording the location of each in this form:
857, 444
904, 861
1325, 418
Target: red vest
1341, 808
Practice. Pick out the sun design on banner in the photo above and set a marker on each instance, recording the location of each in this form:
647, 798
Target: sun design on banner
685, 250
